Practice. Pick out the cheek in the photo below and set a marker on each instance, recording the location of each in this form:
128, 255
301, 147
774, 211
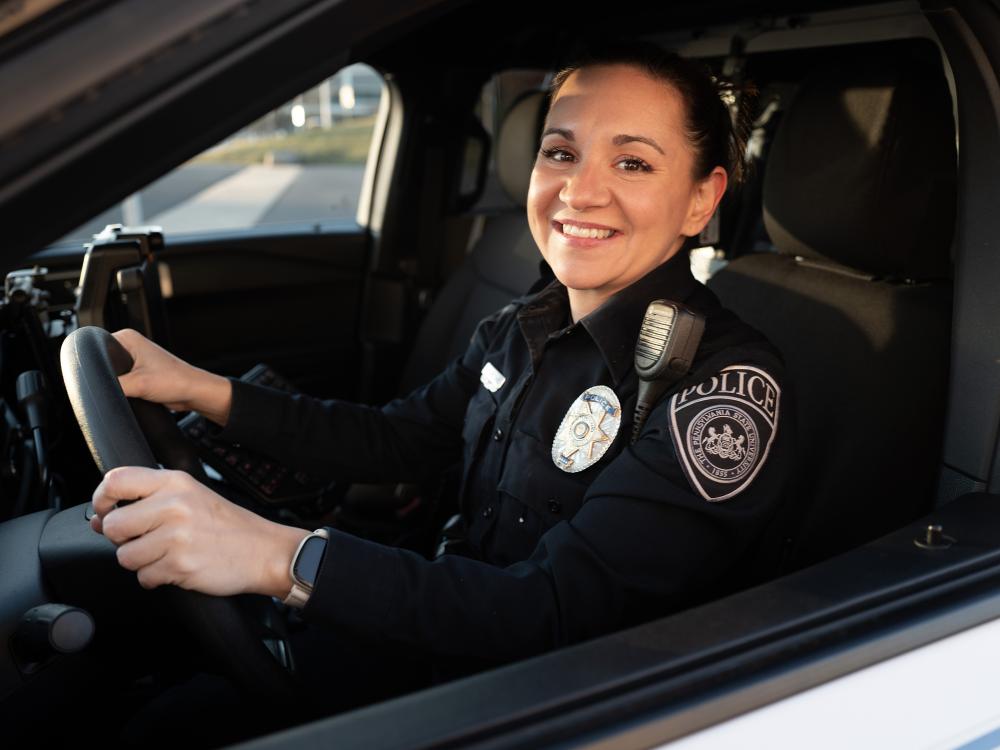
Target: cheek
539, 199
657, 210
539, 191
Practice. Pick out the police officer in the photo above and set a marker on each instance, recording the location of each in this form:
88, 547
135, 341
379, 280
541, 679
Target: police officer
574, 530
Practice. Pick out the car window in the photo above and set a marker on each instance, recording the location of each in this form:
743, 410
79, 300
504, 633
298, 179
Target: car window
299, 164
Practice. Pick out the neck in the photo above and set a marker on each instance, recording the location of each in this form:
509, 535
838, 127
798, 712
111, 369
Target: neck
582, 302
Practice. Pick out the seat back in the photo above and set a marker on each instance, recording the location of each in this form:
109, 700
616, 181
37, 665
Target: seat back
859, 201
503, 262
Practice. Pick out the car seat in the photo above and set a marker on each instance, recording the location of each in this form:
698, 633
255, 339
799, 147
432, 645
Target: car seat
503, 262
859, 202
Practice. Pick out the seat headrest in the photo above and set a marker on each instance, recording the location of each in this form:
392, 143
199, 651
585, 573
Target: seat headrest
862, 171
517, 144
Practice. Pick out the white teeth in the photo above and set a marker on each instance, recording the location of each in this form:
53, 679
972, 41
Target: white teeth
588, 233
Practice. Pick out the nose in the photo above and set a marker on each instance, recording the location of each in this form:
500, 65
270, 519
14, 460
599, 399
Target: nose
584, 186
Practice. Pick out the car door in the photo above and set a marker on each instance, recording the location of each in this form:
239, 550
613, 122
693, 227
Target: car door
264, 252
279, 278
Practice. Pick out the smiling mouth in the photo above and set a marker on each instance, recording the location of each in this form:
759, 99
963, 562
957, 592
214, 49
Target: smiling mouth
584, 233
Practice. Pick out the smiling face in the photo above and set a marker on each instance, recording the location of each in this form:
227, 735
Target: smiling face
612, 192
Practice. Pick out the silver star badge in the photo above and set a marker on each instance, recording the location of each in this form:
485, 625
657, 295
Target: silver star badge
587, 430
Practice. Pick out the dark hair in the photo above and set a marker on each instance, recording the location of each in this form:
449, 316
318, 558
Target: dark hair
717, 137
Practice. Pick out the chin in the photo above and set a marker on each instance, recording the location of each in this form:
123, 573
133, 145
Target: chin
574, 277
581, 280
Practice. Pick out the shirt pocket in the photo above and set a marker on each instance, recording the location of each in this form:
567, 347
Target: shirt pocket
530, 477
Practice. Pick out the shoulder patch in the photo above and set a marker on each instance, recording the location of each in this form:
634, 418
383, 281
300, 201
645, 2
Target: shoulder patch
723, 428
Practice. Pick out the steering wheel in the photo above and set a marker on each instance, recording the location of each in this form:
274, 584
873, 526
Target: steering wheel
119, 432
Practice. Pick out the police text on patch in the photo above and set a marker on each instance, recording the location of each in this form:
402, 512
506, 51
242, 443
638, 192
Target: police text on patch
723, 428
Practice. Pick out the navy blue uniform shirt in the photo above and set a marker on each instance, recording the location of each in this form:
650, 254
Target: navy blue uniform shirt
559, 557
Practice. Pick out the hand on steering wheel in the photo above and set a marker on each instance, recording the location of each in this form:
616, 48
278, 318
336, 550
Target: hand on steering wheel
92, 359
157, 375
183, 533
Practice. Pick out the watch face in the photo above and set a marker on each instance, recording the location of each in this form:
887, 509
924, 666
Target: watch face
307, 563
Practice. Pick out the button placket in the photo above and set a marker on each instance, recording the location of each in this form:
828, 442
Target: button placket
507, 411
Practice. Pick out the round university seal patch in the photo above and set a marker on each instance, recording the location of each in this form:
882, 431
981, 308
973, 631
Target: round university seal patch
723, 428
587, 430
723, 442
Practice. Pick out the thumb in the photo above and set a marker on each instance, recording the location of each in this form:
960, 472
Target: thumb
129, 339
131, 384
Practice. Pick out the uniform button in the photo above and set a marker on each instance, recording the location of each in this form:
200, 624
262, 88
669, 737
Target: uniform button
520, 519
498, 434
555, 506
487, 511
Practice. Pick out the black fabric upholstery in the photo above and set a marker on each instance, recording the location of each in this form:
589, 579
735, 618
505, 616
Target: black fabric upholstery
504, 262
868, 361
503, 265
517, 143
870, 145
852, 214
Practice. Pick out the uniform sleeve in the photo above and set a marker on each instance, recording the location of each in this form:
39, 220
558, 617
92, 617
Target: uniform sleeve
407, 440
645, 542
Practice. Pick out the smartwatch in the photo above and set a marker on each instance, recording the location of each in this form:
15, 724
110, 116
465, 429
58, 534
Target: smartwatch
305, 567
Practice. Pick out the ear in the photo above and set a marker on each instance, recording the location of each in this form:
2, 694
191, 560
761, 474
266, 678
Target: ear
704, 199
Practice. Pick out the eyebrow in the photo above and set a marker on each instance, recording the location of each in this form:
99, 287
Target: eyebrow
618, 140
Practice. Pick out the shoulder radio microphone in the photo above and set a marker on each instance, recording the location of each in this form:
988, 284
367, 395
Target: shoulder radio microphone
668, 341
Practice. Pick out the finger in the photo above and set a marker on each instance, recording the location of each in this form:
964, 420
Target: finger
122, 524
144, 551
162, 570
129, 338
130, 384
127, 483
156, 574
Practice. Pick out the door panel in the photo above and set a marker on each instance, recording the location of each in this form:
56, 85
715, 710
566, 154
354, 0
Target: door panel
291, 301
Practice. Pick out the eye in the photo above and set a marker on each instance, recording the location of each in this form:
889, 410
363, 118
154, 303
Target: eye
553, 153
633, 164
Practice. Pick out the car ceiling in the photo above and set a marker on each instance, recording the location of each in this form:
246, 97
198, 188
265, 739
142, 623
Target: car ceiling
104, 110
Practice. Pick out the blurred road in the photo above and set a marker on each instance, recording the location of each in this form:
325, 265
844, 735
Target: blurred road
205, 197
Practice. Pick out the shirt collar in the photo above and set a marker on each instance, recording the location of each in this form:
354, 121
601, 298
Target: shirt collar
614, 326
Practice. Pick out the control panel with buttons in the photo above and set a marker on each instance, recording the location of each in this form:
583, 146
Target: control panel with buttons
261, 476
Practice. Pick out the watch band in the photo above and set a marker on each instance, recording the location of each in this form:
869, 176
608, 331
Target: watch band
302, 588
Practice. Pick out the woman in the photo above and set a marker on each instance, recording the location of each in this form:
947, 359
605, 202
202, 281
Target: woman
575, 532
